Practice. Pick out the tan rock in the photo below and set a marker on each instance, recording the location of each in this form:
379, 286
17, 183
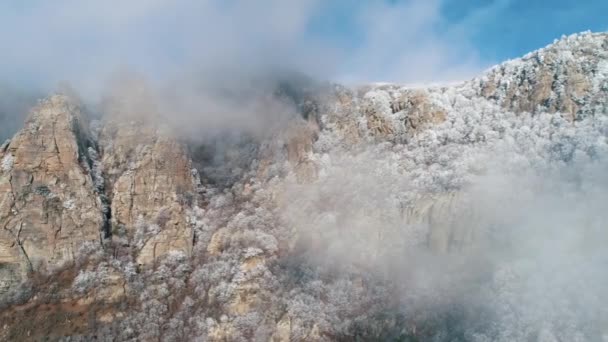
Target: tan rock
246, 298
112, 289
421, 112
107, 317
221, 332
283, 330
377, 124
251, 263
150, 177
450, 219
218, 240
300, 138
548, 80
48, 203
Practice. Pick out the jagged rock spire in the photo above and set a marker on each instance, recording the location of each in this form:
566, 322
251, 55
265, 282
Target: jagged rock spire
48, 204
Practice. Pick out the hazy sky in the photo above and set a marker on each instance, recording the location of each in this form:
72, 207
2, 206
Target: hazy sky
377, 40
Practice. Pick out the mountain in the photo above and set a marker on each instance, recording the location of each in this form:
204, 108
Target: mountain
463, 212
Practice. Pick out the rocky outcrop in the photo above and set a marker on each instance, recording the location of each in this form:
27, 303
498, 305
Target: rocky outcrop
58, 191
569, 76
450, 220
151, 184
299, 146
49, 206
387, 112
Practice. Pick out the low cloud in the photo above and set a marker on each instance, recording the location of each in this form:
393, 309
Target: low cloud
411, 42
514, 255
85, 41
188, 52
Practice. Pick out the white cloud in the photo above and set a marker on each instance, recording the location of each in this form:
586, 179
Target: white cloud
83, 41
188, 52
403, 44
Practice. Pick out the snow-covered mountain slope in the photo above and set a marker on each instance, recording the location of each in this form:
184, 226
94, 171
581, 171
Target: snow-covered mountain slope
471, 212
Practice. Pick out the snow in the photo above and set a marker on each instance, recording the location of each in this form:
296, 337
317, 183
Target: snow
69, 204
7, 162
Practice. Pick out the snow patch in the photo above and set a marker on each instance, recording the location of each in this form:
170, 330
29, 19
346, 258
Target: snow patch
8, 162
69, 204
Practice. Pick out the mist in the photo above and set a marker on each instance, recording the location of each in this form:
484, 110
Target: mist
187, 52
15, 103
514, 252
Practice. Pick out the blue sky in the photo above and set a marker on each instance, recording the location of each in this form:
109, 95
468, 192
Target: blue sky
497, 29
502, 29
406, 41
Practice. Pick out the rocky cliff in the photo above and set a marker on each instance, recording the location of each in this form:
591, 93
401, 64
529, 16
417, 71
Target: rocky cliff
50, 207
317, 232
151, 184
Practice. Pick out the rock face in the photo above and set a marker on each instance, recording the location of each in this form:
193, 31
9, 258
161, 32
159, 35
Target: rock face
568, 77
49, 206
151, 184
451, 219
58, 191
